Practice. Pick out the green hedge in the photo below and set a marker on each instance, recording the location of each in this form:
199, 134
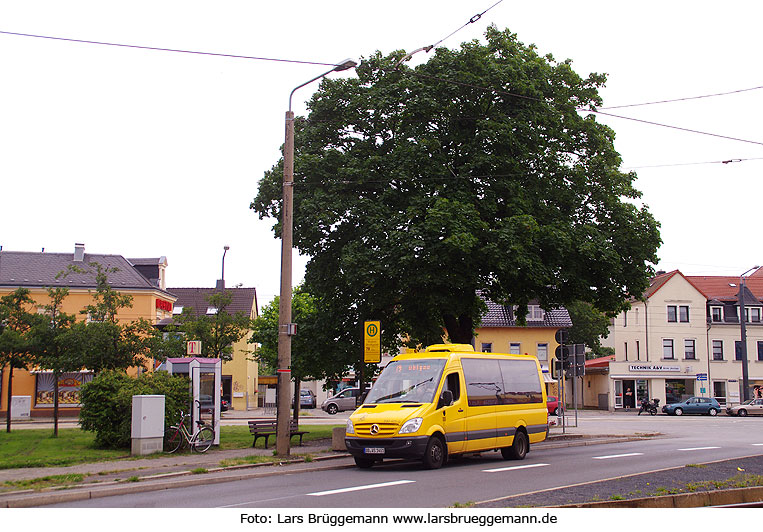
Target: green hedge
107, 403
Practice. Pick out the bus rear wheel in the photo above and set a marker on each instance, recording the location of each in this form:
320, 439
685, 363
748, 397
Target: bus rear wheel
518, 449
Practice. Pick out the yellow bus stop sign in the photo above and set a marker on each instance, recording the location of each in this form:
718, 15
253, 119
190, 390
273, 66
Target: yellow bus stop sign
372, 342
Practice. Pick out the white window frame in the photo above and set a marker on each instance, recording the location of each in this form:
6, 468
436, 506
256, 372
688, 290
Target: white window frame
680, 313
515, 348
672, 349
713, 309
542, 352
713, 346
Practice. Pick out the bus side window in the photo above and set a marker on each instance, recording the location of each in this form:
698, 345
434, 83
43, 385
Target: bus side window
453, 384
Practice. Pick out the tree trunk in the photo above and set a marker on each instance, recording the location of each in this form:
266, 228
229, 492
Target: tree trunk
297, 398
460, 330
55, 404
10, 396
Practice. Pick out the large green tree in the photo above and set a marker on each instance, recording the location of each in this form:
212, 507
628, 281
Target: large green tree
589, 326
417, 187
15, 323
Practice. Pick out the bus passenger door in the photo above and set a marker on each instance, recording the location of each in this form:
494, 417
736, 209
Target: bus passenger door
453, 416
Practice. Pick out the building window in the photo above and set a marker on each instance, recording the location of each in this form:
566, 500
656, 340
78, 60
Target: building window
667, 349
514, 349
672, 314
760, 351
535, 313
487, 348
543, 352
752, 314
683, 314
717, 349
738, 350
625, 318
638, 351
716, 313
626, 351
689, 351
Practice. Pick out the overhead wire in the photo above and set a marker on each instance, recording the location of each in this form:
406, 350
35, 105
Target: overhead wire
155, 48
674, 100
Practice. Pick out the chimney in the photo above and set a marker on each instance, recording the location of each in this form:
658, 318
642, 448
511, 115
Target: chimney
79, 252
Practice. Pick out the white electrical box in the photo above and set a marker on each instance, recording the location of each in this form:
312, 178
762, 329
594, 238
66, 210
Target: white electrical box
147, 423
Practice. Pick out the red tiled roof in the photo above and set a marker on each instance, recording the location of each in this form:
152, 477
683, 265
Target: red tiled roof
720, 287
601, 362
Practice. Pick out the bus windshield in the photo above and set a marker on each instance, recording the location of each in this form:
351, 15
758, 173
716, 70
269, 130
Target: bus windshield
407, 381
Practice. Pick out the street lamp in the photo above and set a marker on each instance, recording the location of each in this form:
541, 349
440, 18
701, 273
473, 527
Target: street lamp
222, 276
745, 373
286, 329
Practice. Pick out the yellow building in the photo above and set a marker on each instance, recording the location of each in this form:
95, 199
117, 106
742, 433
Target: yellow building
143, 279
499, 333
239, 375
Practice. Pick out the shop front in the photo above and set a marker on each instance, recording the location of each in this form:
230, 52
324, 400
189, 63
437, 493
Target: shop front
632, 383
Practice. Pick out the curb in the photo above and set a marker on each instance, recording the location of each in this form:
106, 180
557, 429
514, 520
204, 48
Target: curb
156, 482
683, 500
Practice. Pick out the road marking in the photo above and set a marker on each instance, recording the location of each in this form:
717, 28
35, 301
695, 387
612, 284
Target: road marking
616, 456
758, 444
697, 448
359, 488
512, 468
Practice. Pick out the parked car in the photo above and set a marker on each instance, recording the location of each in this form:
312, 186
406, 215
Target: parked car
552, 403
307, 399
693, 405
751, 407
344, 400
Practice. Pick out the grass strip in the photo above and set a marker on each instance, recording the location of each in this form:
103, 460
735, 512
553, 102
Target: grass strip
38, 448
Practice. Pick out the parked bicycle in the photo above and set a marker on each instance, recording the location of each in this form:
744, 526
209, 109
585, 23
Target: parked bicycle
177, 436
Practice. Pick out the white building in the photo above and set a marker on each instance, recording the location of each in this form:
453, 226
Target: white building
683, 338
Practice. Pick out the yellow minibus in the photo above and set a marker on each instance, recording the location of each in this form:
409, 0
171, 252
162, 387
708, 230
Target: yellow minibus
450, 400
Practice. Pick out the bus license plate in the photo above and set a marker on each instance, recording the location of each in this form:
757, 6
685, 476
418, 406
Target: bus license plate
374, 450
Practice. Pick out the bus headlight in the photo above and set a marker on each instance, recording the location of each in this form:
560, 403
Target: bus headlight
349, 429
412, 425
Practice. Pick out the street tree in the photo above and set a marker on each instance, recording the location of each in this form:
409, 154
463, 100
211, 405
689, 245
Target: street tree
51, 340
315, 353
474, 171
15, 323
589, 326
102, 341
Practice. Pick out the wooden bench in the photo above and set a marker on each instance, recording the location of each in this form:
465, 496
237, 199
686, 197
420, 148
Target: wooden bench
265, 428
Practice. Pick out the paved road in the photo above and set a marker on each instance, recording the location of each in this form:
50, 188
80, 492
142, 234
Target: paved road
686, 440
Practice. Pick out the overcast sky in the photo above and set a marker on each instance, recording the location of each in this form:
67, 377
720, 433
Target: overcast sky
146, 153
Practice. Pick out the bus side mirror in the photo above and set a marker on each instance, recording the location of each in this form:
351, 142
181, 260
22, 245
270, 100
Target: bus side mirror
446, 399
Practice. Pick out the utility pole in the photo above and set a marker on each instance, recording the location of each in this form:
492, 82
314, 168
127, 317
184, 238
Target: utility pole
286, 329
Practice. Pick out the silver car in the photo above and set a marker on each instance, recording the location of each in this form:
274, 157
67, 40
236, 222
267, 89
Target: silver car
344, 400
751, 407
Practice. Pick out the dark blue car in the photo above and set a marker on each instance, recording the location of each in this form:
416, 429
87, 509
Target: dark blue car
693, 405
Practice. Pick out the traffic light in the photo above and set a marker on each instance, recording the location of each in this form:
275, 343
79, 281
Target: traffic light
579, 364
562, 354
556, 368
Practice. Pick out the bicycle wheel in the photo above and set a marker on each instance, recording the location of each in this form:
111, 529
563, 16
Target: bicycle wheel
173, 439
203, 440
